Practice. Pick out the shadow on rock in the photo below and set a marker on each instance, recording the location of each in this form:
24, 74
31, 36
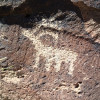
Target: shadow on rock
31, 11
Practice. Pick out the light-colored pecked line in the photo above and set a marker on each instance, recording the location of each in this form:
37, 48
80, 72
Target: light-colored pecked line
51, 54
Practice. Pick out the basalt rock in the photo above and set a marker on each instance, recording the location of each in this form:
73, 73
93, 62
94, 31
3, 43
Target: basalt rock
27, 7
49, 50
92, 3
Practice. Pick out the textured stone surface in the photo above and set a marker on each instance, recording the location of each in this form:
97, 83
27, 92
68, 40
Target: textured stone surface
13, 3
51, 56
92, 3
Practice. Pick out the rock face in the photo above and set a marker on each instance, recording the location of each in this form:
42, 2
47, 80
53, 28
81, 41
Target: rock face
49, 50
92, 3
24, 7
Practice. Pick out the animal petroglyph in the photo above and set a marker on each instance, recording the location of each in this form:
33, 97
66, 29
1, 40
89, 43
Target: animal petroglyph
51, 54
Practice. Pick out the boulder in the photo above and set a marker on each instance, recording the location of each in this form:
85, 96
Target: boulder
51, 49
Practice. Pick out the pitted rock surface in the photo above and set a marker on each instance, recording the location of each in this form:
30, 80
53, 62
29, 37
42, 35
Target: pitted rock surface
55, 57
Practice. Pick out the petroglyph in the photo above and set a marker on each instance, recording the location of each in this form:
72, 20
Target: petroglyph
51, 54
13, 80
